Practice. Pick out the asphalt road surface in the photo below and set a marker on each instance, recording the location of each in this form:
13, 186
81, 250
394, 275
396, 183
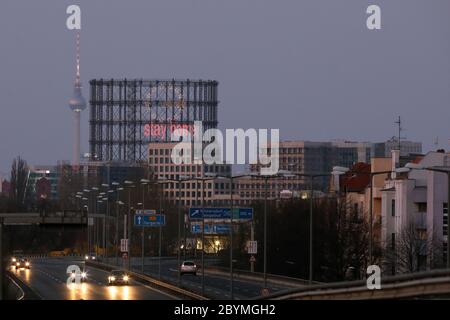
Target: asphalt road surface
216, 286
48, 279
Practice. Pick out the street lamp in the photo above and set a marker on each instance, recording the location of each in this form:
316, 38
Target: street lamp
231, 179
179, 180
312, 176
280, 174
87, 219
161, 183
210, 176
144, 182
129, 185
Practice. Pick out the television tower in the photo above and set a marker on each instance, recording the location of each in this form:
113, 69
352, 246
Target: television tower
77, 104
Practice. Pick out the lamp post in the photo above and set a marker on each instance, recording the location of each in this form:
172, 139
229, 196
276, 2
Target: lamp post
179, 180
87, 228
144, 182
88, 220
118, 204
202, 179
280, 174
129, 185
95, 225
311, 178
161, 183
231, 180
105, 220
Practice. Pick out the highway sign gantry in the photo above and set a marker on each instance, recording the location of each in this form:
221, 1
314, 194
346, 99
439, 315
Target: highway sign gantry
149, 220
221, 213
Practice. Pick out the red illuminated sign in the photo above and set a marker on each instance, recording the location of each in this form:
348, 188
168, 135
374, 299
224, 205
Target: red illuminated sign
163, 130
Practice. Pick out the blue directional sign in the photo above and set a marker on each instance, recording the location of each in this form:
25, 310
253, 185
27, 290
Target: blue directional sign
221, 228
214, 229
221, 213
149, 220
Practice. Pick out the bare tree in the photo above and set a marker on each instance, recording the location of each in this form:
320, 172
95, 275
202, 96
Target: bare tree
19, 178
409, 250
342, 239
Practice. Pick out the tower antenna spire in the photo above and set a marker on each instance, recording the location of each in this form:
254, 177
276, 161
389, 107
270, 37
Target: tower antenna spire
77, 79
400, 130
77, 104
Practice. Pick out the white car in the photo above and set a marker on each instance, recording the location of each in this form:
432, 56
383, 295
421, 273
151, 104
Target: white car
188, 267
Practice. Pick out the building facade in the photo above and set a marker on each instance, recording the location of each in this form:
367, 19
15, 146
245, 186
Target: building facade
414, 213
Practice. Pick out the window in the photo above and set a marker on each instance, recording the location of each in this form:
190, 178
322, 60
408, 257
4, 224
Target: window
445, 219
422, 207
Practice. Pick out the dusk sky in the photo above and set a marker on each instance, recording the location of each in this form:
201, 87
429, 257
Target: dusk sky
308, 67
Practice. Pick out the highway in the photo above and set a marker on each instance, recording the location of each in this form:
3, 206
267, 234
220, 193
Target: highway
47, 278
216, 286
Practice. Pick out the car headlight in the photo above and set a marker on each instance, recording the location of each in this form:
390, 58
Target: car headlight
14, 260
18, 264
112, 278
93, 258
73, 275
125, 278
86, 257
83, 274
27, 264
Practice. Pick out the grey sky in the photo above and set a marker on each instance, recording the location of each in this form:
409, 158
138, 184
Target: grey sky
308, 67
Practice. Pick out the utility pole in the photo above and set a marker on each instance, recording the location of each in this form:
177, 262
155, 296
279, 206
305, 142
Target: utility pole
1, 259
252, 238
179, 232
311, 228
265, 231
125, 224
143, 231
160, 232
231, 239
203, 238
129, 229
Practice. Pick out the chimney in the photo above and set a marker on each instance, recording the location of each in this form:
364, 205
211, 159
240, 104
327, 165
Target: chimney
395, 158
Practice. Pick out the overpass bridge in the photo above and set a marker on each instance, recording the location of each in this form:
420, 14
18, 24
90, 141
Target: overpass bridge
65, 218
54, 218
422, 285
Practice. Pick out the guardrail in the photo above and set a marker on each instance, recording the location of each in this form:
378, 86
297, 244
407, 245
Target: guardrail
46, 255
429, 283
21, 290
164, 286
13, 289
259, 276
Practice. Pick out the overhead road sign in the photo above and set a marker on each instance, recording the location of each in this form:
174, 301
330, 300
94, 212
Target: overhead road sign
149, 220
211, 229
221, 213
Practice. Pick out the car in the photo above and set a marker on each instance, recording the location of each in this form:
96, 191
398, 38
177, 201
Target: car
188, 267
118, 277
83, 276
91, 256
22, 264
14, 260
